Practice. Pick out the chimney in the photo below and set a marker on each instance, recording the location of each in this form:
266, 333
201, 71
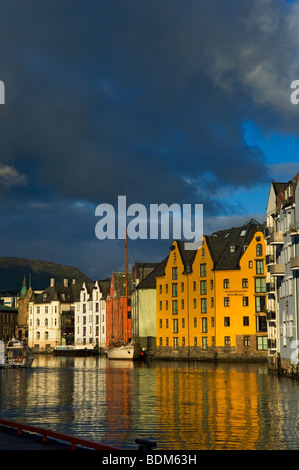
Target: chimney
52, 282
65, 282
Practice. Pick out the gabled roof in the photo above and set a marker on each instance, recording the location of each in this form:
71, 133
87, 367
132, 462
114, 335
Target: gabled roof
220, 243
149, 282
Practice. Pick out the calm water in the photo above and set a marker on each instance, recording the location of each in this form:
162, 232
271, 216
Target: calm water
200, 406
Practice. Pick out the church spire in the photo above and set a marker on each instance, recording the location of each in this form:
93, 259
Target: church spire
24, 287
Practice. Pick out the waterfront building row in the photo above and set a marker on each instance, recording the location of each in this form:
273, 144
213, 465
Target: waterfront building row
282, 261
202, 303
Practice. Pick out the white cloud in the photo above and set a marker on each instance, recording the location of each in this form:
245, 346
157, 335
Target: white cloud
9, 176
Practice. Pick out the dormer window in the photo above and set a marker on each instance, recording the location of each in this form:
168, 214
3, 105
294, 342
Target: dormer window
232, 248
45, 296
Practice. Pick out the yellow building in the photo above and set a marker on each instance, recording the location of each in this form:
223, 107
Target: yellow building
211, 302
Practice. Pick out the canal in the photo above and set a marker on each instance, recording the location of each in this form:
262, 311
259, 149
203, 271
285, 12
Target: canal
181, 406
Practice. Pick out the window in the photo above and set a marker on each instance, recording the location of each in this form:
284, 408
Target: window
160, 323
195, 340
226, 283
174, 289
182, 287
194, 285
245, 321
204, 342
260, 303
232, 248
183, 341
175, 326
259, 249
211, 284
160, 305
183, 322
226, 302
174, 257
194, 303
160, 288
175, 343
203, 287
203, 306
212, 301
245, 301
204, 322
227, 340
246, 340
260, 284
203, 270
249, 264
262, 343
261, 323
174, 307
259, 266
226, 321
166, 322
182, 304
174, 273
195, 322
166, 304
245, 283
203, 253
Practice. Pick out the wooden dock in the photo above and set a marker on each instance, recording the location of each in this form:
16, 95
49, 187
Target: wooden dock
18, 436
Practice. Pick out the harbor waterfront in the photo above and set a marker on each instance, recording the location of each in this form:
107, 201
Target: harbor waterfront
182, 406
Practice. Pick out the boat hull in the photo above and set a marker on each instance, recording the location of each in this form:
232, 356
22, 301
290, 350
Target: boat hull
129, 353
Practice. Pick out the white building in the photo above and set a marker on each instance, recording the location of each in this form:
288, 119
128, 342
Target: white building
282, 260
90, 315
68, 314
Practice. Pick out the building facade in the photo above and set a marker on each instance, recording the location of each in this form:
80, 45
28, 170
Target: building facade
282, 236
90, 315
143, 303
211, 302
118, 309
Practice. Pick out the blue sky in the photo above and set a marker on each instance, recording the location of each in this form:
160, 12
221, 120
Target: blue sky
180, 101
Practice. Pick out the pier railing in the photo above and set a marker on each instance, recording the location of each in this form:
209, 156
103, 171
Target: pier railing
45, 433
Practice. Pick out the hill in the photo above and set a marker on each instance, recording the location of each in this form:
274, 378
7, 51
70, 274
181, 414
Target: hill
37, 272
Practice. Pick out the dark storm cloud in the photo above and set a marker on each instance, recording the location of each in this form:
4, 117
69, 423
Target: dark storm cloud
145, 99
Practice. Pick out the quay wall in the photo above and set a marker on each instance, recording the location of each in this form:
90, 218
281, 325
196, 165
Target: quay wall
213, 354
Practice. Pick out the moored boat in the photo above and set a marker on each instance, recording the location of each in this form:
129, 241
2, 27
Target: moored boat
17, 354
129, 351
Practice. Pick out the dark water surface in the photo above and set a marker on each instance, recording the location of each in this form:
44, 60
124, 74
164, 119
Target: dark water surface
180, 406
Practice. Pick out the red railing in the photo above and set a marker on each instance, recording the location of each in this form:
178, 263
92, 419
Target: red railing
45, 433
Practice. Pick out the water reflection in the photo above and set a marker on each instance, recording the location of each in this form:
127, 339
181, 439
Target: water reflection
181, 406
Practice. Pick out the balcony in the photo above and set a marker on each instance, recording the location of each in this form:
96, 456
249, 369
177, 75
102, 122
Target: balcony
270, 287
294, 229
276, 238
270, 259
271, 315
294, 263
277, 269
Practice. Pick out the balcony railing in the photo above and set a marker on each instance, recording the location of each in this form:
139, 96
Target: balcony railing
276, 238
277, 269
294, 263
294, 229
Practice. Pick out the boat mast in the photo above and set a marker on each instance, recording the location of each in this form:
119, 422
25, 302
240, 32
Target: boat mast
126, 275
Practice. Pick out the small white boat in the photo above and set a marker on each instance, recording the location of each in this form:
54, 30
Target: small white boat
129, 351
17, 354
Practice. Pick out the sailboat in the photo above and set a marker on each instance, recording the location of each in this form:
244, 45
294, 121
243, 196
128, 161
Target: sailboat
121, 350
